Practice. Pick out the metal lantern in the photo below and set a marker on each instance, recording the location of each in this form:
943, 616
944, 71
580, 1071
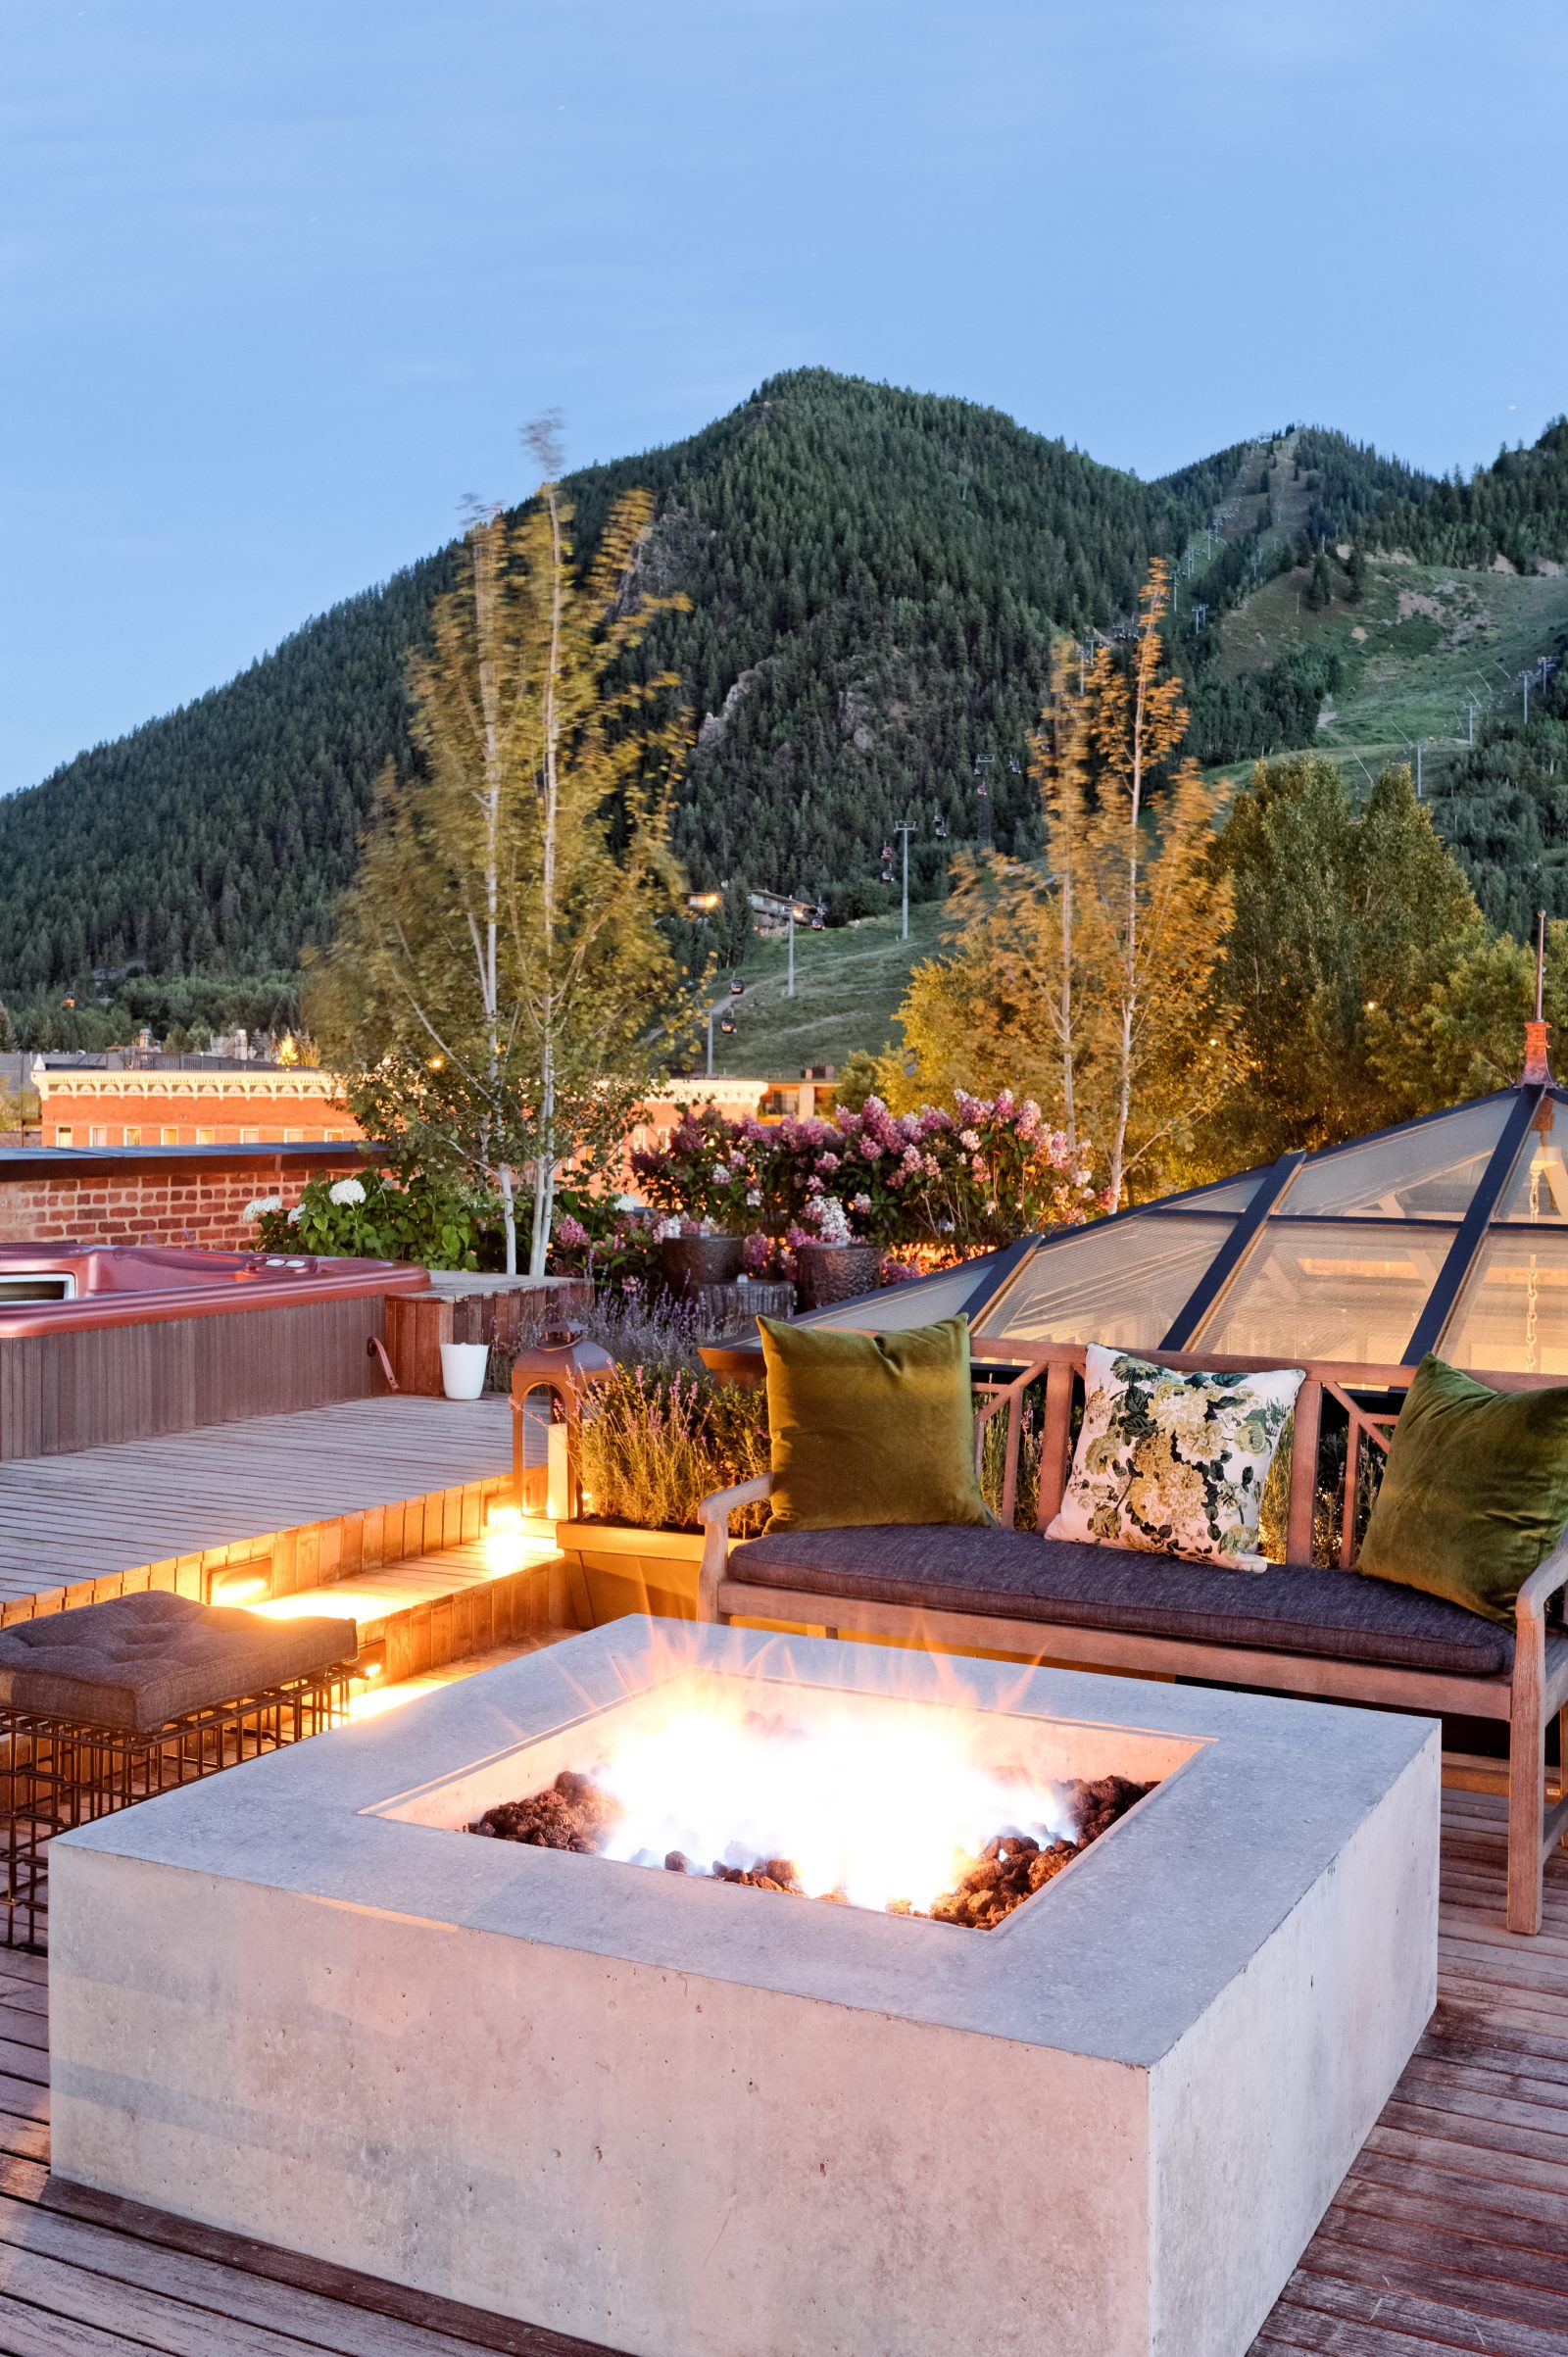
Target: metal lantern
562, 1363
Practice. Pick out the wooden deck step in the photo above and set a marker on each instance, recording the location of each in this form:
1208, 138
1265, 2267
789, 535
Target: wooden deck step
432, 1609
299, 1497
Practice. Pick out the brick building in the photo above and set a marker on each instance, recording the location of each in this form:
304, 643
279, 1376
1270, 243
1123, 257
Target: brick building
167, 1104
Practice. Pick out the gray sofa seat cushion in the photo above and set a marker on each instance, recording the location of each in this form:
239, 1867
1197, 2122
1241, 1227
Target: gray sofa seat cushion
139, 1660
1016, 1575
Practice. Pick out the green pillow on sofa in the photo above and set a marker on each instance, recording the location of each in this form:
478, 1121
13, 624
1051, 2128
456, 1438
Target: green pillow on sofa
1475, 1492
870, 1427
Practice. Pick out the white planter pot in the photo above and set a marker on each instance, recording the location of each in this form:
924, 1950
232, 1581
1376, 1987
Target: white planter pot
462, 1369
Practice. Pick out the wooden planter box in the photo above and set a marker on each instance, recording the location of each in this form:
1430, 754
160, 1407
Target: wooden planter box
464, 1308
615, 1568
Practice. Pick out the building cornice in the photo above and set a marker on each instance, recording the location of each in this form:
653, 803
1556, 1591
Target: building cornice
258, 1088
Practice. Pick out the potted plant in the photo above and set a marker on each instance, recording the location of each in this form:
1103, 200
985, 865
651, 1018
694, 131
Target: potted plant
706, 1180
833, 1264
693, 1253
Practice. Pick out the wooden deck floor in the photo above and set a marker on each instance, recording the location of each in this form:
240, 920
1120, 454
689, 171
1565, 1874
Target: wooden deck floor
1450, 2233
100, 1512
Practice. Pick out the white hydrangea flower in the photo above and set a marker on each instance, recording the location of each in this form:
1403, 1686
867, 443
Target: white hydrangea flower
835, 1225
262, 1203
969, 1138
720, 1175
294, 1218
346, 1191
665, 1230
753, 1196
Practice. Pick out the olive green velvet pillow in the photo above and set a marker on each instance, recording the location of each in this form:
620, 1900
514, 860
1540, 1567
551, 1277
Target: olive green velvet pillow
870, 1427
1475, 1492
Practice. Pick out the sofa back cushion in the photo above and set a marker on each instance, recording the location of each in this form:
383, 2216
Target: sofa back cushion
1475, 1492
870, 1428
1175, 1464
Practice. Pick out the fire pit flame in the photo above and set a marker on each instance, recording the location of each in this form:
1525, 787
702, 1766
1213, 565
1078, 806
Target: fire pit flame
902, 1812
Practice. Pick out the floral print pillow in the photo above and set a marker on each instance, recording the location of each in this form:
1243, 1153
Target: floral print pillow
1174, 1462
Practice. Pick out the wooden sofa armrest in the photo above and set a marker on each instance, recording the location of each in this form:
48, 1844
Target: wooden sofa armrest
714, 1514
715, 1511
1542, 1584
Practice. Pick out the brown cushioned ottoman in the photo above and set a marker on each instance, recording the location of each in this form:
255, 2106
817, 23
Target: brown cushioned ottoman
141, 1660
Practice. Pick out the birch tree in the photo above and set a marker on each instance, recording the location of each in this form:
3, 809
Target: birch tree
498, 988
1165, 910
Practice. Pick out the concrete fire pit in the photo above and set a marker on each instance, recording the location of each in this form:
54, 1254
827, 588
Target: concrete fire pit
682, 2119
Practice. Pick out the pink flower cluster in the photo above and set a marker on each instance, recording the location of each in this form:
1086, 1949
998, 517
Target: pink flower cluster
978, 1175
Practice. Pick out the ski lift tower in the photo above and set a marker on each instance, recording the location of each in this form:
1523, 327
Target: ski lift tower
906, 829
721, 1009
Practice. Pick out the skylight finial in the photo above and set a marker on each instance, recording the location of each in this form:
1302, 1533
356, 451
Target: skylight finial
1538, 1071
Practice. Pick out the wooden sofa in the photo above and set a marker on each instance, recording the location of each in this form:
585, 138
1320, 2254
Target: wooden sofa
1299, 1628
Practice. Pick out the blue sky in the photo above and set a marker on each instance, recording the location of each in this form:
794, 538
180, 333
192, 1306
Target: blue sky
279, 281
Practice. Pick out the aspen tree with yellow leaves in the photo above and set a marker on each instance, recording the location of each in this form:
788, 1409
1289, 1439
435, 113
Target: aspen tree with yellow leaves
1090, 980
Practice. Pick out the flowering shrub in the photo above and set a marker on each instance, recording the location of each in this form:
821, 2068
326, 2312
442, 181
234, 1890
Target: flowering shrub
709, 1170
602, 1237
969, 1179
832, 1221
375, 1219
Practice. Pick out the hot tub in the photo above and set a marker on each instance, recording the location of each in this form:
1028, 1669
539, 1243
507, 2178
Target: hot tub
119, 1343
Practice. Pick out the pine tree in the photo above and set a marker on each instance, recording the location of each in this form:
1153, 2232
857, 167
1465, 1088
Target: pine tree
1343, 924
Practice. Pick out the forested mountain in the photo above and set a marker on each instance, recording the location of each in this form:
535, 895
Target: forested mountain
873, 578
872, 575
1505, 809
1516, 508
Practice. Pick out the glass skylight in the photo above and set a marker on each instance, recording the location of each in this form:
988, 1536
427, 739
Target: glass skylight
1428, 1171
1512, 1316
920, 1302
1329, 1288
1447, 1234
1538, 1187
1114, 1282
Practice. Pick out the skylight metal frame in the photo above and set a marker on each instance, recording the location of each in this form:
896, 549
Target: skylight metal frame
1268, 1208
1443, 1299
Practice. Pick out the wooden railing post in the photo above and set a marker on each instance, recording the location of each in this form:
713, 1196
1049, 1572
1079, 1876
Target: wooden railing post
1055, 1441
1303, 1472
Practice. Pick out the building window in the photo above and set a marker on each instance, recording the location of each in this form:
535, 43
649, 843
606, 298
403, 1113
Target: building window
250, 1137
65, 1136
98, 1135
207, 1137
293, 1137
168, 1137
132, 1136
334, 1137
